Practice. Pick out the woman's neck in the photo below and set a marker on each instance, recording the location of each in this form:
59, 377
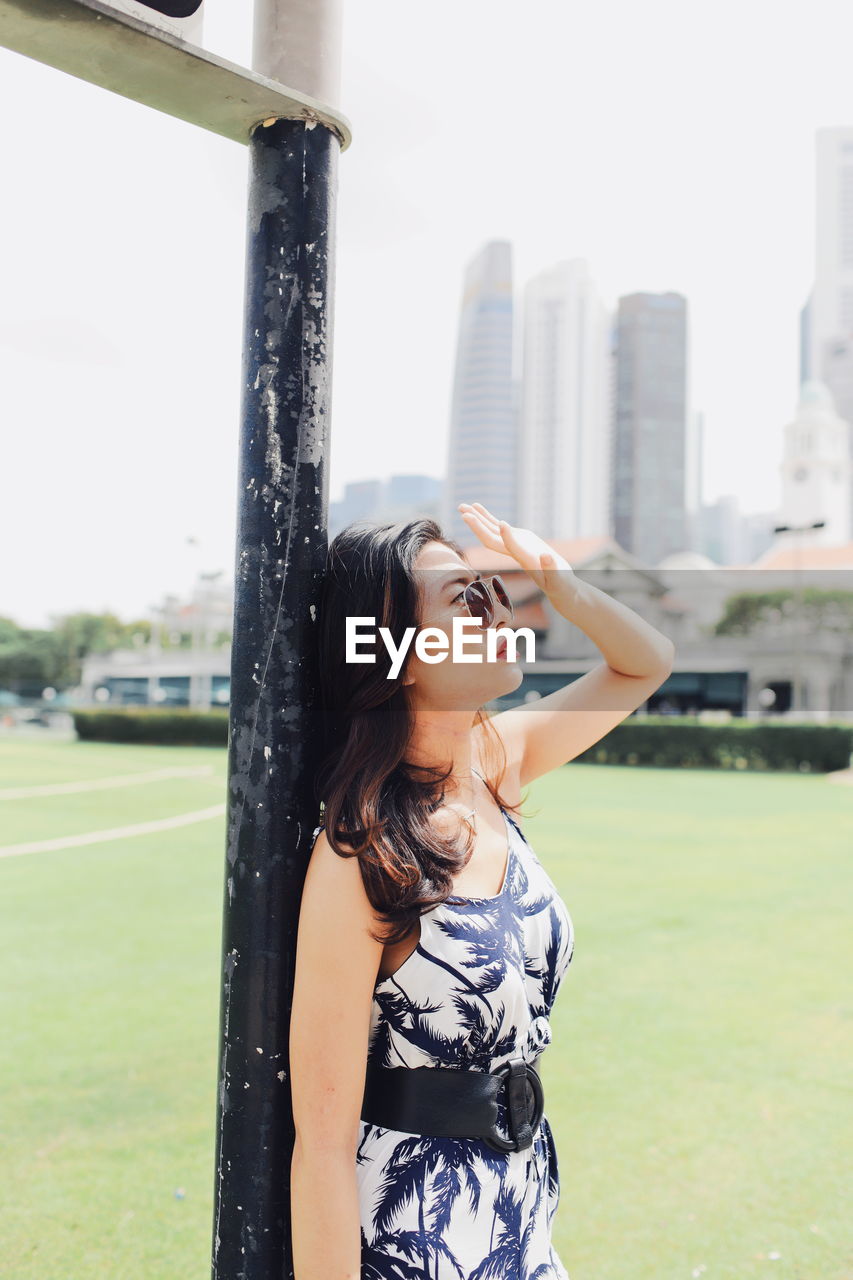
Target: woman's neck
441, 739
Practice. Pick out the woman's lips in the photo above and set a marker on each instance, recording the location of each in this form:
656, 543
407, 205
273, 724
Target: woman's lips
500, 652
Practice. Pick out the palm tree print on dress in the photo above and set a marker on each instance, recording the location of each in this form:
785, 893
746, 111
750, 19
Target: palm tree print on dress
477, 991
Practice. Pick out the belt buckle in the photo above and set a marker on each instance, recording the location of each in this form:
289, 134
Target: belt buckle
517, 1074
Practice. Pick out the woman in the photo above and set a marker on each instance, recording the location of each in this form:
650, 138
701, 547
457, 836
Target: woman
431, 940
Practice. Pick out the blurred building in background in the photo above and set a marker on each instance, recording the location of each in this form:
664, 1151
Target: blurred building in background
826, 321
592, 443
185, 664
400, 498
564, 447
361, 498
788, 661
650, 427
726, 535
482, 445
694, 490
755, 668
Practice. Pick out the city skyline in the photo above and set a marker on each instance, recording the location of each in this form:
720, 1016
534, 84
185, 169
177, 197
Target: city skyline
661, 186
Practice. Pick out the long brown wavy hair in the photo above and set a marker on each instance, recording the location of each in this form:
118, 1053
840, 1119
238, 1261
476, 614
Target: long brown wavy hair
375, 801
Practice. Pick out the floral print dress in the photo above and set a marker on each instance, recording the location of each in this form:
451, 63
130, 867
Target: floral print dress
476, 991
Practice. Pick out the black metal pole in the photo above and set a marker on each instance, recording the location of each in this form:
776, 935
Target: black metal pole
273, 731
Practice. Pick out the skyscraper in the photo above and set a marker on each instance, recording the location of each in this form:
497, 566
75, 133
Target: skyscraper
830, 309
481, 457
694, 479
828, 328
650, 425
564, 454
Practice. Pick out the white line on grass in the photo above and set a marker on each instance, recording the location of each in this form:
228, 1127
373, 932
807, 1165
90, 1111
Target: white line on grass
114, 833
101, 784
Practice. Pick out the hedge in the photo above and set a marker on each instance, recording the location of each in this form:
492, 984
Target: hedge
683, 742
174, 727
657, 741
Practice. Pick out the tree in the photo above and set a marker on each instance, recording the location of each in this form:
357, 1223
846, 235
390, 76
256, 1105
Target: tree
823, 609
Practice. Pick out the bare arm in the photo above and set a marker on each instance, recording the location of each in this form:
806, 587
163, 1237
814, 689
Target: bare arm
540, 736
336, 966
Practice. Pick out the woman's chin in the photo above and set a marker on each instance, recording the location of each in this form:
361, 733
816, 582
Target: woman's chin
509, 675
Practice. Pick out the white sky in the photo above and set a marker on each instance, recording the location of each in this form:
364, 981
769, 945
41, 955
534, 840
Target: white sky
670, 144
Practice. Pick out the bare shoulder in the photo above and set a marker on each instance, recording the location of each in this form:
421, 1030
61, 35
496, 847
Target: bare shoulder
338, 877
336, 917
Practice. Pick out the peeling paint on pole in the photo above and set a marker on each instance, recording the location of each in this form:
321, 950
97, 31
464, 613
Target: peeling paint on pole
273, 731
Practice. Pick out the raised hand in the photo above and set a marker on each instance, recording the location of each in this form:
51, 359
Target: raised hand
550, 571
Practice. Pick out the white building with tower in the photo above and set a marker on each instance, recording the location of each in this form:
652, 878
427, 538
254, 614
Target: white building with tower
815, 469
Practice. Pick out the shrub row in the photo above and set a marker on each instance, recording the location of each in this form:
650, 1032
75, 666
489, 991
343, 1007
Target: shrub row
174, 727
663, 741
682, 742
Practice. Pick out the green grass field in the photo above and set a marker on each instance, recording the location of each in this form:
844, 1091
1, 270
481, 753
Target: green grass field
696, 1084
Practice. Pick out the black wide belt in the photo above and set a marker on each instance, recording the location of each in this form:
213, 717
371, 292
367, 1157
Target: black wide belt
445, 1102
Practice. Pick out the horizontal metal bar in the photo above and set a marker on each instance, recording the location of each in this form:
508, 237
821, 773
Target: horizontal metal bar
93, 42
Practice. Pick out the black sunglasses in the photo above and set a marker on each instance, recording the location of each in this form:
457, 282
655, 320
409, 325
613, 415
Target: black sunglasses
481, 597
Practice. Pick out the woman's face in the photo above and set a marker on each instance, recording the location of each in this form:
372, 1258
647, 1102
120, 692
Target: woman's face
442, 575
